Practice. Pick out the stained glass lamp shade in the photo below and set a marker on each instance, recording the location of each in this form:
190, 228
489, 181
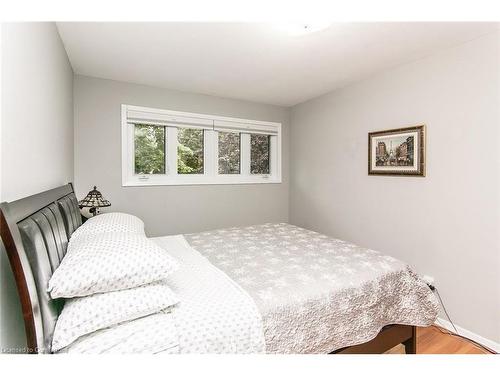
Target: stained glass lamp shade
94, 200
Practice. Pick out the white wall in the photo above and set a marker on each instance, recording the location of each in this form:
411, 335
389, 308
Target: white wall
36, 137
168, 209
446, 224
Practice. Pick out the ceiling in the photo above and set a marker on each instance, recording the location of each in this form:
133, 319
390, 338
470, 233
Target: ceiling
251, 61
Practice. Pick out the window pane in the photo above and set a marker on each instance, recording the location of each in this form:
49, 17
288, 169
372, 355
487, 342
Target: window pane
149, 141
190, 151
259, 153
229, 153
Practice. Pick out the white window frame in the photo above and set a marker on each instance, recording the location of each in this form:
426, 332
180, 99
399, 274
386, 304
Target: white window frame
211, 124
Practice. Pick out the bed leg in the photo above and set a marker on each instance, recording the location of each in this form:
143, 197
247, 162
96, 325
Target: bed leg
411, 343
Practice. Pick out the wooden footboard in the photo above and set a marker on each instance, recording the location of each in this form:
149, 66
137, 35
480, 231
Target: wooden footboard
389, 337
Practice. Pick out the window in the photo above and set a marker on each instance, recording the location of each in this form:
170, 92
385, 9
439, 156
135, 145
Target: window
189, 151
259, 153
229, 152
149, 143
162, 147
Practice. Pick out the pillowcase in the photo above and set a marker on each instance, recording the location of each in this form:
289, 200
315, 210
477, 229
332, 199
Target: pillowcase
109, 262
113, 222
81, 316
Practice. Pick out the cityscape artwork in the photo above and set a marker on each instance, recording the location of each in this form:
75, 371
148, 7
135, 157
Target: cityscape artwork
397, 152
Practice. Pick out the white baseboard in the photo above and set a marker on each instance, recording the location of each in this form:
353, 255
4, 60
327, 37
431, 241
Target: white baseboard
495, 346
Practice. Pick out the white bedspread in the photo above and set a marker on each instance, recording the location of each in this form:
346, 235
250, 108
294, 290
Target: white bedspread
316, 293
214, 316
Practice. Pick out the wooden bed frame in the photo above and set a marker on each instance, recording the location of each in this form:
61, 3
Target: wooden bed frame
35, 231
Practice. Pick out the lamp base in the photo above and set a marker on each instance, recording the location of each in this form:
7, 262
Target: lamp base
93, 210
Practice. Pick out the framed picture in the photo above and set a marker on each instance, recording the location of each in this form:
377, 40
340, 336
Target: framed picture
397, 152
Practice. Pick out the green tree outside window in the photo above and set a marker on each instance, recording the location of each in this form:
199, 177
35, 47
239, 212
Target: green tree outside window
189, 151
149, 141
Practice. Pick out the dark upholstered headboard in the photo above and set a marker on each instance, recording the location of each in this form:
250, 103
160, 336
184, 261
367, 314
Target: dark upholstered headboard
35, 231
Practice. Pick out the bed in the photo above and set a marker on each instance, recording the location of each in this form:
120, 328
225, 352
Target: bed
273, 288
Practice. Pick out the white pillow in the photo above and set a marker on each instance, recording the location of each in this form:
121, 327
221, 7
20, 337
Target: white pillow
84, 315
109, 262
113, 222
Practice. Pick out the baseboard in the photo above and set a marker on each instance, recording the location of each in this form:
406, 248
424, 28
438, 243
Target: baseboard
495, 346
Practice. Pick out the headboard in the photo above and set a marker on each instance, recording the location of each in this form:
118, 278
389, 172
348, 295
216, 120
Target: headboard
35, 231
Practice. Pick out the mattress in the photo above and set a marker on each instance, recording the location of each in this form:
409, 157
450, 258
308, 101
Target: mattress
317, 294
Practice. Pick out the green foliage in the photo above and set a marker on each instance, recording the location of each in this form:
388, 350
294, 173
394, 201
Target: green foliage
189, 151
229, 153
149, 149
259, 153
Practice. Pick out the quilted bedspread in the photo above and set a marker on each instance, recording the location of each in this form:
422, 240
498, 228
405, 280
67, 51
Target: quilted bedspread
315, 293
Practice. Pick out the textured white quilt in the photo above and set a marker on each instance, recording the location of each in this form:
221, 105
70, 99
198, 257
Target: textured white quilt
214, 315
317, 294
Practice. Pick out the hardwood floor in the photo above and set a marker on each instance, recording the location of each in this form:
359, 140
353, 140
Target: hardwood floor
431, 340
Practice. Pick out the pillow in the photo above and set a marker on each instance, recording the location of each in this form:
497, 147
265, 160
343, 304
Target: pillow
84, 315
113, 222
109, 262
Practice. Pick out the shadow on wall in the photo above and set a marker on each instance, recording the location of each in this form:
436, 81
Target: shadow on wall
12, 334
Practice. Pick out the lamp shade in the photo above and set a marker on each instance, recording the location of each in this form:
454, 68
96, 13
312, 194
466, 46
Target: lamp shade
94, 199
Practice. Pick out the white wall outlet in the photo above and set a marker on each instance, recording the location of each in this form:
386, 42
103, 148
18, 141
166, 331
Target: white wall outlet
428, 279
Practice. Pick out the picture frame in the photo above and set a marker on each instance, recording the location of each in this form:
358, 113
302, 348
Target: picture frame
397, 152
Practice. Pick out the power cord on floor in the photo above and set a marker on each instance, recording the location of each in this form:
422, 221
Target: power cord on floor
444, 309
456, 334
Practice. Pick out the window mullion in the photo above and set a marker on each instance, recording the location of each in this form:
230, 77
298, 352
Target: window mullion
171, 151
215, 162
245, 154
209, 152
273, 155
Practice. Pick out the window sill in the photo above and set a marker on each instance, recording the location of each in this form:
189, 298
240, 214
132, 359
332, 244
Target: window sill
228, 181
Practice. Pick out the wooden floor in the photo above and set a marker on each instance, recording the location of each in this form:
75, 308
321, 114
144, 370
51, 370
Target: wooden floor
431, 341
